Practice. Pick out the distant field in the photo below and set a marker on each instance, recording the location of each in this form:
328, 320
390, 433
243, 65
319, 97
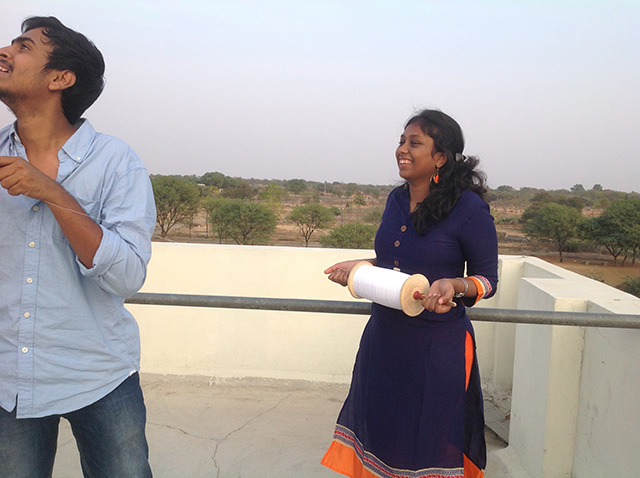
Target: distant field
597, 266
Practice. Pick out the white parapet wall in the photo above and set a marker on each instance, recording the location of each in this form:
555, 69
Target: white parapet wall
247, 343
572, 391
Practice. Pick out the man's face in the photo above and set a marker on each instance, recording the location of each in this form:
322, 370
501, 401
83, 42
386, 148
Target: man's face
22, 67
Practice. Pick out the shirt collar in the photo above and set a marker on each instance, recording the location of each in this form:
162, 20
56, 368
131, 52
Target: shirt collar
76, 147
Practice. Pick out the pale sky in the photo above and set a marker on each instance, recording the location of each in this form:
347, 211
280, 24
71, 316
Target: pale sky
547, 92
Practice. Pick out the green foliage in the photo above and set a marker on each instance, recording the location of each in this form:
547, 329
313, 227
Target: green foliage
177, 199
359, 200
617, 229
352, 188
217, 210
313, 198
354, 235
237, 188
310, 217
215, 179
273, 196
553, 222
374, 216
242, 221
631, 285
296, 186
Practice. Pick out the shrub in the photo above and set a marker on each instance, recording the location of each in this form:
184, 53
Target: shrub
631, 285
354, 235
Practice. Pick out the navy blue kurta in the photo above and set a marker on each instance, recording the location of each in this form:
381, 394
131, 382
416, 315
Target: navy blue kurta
414, 408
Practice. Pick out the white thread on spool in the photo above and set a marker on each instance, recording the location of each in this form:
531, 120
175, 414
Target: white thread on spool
388, 287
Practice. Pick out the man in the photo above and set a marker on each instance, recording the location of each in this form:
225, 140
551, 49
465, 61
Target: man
76, 219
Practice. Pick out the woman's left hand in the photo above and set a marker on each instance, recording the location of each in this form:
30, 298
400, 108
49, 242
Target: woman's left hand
439, 296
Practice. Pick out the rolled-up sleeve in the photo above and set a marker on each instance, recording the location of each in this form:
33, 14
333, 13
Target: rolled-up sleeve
128, 220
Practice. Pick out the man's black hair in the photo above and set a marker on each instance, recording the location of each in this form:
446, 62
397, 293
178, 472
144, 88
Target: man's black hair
72, 51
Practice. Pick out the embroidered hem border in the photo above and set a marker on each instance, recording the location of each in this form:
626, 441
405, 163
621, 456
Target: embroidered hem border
376, 468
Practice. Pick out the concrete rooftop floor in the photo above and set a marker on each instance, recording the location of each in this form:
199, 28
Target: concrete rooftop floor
251, 428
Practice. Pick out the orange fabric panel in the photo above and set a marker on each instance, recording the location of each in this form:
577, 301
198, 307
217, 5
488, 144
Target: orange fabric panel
343, 459
479, 287
471, 470
468, 358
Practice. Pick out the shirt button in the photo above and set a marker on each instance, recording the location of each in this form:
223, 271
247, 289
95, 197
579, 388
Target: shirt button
32, 244
26, 315
396, 263
397, 243
35, 208
403, 228
29, 280
25, 350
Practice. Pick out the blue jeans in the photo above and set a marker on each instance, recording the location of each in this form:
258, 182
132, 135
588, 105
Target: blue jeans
109, 434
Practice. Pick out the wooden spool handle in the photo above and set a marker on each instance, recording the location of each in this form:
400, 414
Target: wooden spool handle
417, 295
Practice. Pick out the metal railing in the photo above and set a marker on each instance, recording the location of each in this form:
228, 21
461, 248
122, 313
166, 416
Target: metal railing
581, 319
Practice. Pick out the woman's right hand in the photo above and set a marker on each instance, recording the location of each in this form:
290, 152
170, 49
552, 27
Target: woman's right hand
339, 272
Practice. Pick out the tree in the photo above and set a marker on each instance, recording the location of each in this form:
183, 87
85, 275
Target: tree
353, 235
214, 179
296, 186
176, 198
244, 222
273, 196
217, 210
554, 222
237, 188
359, 200
617, 229
310, 217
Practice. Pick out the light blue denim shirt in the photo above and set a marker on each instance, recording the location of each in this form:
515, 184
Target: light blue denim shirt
66, 339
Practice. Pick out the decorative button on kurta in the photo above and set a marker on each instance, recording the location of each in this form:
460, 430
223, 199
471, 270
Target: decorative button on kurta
403, 228
32, 244
25, 350
397, 243
29, 280
396, 262
26, 315
35, 208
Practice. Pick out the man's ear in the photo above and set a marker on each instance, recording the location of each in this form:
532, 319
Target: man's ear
62, 80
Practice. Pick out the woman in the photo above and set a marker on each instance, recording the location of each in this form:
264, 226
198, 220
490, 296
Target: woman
415, 404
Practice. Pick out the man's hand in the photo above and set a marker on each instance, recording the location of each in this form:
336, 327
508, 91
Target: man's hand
18, 177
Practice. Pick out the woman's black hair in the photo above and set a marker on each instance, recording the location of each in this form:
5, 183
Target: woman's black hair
456, 175
73, 51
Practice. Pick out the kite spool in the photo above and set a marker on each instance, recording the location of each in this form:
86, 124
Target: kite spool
388, 287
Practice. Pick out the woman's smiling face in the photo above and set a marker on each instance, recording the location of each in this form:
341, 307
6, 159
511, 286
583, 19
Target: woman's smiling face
416, 156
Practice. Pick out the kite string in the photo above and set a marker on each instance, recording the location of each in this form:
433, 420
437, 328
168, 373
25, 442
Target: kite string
107, 223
